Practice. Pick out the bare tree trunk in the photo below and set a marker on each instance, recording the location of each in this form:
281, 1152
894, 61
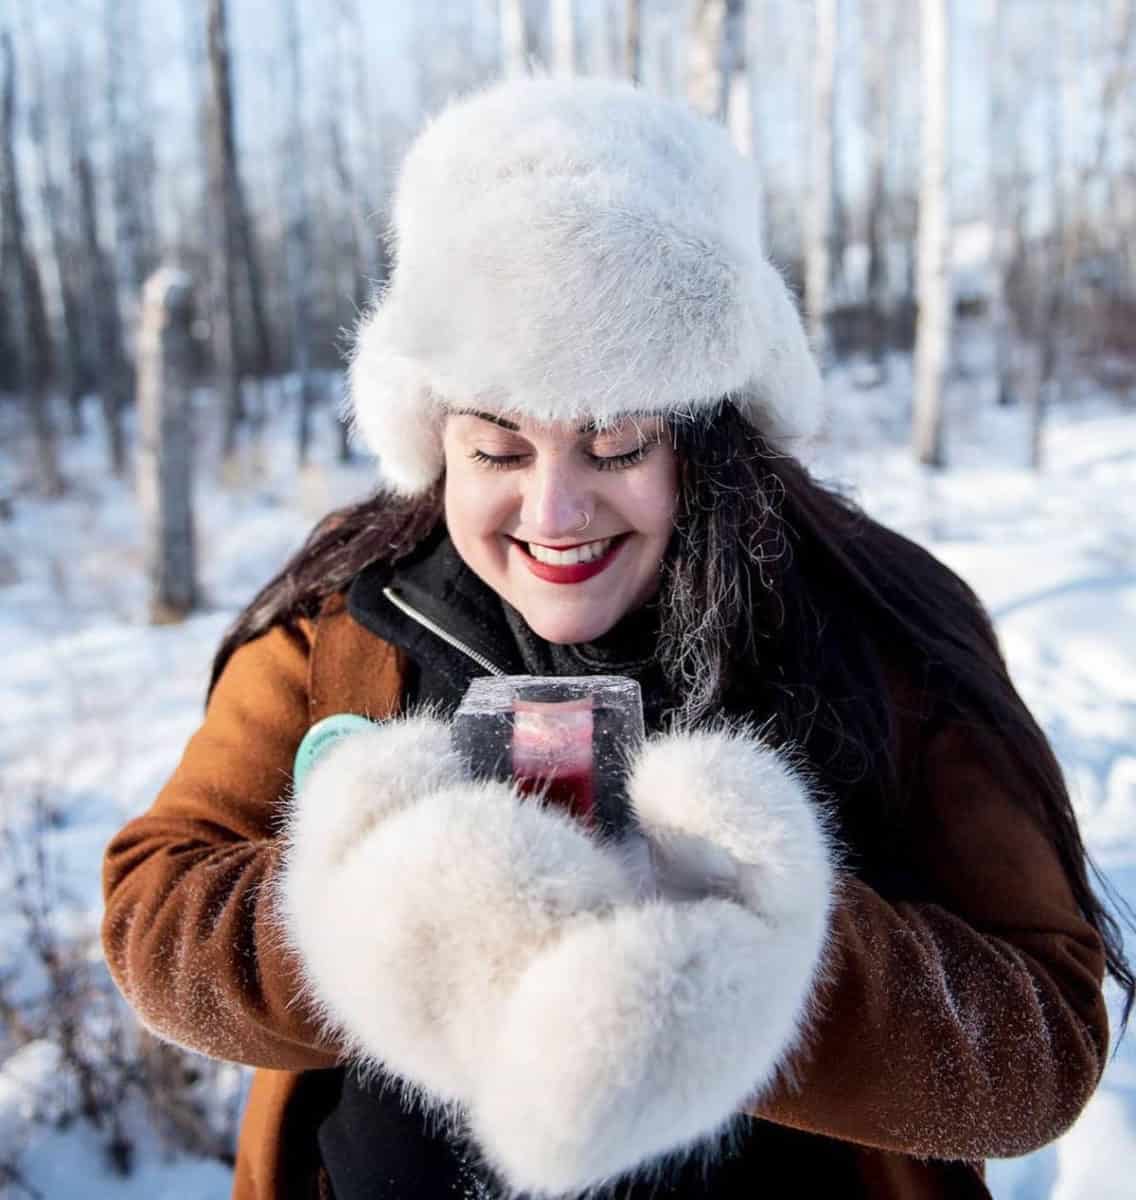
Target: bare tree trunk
224, 240
633, 61
31, 315
514, 38
735, 75
707, 87
601, 61
165, 451
198, 66
51, 200
364, 267
1118, 81
1001, 240
563, 16
254, 286
351, 158
720, 80
350, 51
820, 215
879, 54
933, 335
131, 159
1050, 325
298, 236
115, 376
1125, 205
663, 39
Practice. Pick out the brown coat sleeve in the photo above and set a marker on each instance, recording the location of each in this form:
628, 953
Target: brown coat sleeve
188, 930
968, 1026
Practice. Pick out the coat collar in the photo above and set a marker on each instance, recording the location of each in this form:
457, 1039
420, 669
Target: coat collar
437, 583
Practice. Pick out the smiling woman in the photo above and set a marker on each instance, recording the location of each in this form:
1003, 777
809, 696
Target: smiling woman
518, 494
872, 957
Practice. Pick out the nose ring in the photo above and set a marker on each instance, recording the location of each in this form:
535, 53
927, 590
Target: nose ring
585, 521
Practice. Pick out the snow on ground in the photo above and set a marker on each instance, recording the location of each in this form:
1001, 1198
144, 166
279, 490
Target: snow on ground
98, 705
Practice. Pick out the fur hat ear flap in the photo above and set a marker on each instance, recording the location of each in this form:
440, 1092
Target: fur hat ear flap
785, 395
391, 408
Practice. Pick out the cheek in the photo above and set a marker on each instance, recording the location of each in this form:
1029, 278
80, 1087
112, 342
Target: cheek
650, 504
477, 503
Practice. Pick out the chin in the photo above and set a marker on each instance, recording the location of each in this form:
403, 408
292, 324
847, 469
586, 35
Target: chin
568, 629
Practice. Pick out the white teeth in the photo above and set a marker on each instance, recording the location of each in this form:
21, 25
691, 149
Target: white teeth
566, 558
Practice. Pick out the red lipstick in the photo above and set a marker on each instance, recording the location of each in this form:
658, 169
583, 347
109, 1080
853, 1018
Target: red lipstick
575, 572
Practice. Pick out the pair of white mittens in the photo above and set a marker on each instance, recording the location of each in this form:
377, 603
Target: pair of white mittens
501, 962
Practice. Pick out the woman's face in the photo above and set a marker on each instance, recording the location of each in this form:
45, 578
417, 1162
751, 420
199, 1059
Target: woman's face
517, 493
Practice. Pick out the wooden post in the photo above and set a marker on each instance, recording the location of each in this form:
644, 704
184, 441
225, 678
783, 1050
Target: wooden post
165, 452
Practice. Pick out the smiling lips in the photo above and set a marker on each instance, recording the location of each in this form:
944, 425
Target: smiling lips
572, 565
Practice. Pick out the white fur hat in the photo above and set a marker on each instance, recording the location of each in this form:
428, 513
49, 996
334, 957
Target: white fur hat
569, 250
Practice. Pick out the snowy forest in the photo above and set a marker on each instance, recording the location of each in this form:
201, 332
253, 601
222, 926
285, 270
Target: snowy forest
193, 200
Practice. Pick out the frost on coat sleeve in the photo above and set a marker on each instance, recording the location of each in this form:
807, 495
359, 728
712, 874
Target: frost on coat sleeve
189, 931
968, 1022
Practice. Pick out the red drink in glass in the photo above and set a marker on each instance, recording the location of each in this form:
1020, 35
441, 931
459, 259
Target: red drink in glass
552, 752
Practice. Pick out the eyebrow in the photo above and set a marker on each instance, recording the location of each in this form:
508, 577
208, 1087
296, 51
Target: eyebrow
493, 419
484, 416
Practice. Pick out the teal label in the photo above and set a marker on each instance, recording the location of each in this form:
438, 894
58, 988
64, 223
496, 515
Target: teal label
319, 738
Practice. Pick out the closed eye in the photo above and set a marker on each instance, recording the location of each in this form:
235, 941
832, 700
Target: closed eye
496, 462
602, 462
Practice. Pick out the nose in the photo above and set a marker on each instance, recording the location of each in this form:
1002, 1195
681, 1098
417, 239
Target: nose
556, 500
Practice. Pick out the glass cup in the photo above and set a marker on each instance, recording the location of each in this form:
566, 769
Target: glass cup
563, 738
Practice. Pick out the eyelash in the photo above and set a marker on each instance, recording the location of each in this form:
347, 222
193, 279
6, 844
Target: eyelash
612, 462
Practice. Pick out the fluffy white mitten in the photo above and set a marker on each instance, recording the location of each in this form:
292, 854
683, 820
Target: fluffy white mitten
414, 899
642, 1032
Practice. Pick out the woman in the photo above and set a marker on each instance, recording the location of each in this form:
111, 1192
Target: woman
876, 959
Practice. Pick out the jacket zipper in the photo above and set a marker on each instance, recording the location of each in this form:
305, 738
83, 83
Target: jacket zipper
438, 631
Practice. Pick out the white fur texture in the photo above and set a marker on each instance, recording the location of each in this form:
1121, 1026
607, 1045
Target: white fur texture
414, 907
726, 814
501, 963
642, 1032
570, 249
364, 778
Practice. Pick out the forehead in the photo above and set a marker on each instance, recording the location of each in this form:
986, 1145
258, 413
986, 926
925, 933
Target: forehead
517, 422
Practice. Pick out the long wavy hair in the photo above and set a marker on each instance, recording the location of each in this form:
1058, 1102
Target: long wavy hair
781, 598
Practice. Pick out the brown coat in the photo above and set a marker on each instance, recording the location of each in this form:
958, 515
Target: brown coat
953, 1030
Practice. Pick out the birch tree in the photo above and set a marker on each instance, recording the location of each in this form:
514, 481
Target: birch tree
880, 51
659, 40
740, 18
51, 203
1117, 84
633, 56
514, 38
224, 238
195, 214
1053, 288
1001, 135
718, 78
933, 332
298, 237
363, 149
20, 264
820, 207
131, 159
355, 149
102, 315
709, 54
563, 14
